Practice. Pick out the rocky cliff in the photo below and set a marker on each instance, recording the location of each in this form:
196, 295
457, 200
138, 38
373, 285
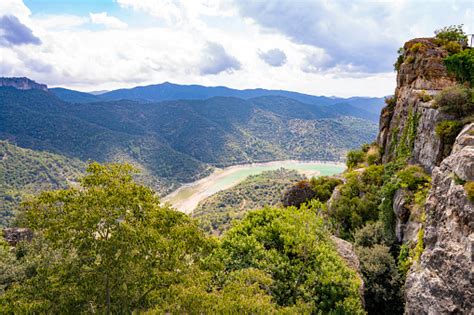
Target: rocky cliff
22, 84
442, 281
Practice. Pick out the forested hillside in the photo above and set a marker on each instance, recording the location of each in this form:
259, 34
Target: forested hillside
28, 172
178, 141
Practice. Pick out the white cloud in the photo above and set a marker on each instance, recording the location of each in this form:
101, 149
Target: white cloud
186, 41
108, 21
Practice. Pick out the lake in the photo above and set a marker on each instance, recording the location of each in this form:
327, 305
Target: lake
187, 197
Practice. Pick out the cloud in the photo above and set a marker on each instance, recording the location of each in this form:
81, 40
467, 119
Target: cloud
13, 32
216, 60
274, 57
361, 36
108, 21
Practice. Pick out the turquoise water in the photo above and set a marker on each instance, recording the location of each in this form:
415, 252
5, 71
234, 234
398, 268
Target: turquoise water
187, 197
307, 168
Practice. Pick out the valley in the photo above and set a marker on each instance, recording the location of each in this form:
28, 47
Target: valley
187, 197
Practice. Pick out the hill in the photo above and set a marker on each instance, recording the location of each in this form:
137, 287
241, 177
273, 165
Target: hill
368, 106
24, 171
216, 212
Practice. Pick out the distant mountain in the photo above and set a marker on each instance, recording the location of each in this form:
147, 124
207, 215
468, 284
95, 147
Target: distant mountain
74, 96
370, 106
178, 141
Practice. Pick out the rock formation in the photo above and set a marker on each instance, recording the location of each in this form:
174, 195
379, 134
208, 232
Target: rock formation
442, 281
22, 84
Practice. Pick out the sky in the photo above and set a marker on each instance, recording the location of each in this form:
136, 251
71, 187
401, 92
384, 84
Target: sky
321, 47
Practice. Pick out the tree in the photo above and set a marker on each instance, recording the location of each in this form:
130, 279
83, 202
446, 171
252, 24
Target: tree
293, 247
103, 247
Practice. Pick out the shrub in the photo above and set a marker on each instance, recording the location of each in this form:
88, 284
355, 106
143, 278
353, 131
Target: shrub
382, 281
370, 234
447, 132
391, 101
298, 194
354, 157
469, 188
416, 47
399, 61
324, 186
455, 100
410, 59
452, 33
412, 177
424, 96
452, 47
461, 65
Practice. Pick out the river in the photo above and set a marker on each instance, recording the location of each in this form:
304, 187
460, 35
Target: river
187, 197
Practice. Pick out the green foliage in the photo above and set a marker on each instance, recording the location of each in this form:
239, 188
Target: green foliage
452, 33
412, 177
416, 47
424, 96
381, 279
103, 246
323, 187
410, 59
461, 64
400, 58
456, 101
370, 234
354, 157
469, 188
410, 253
298, 194
24, 172
447, 132
403, 148
293, 247
391, 101
217, 212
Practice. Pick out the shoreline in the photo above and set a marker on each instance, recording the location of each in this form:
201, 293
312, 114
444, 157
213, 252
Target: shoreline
203, 185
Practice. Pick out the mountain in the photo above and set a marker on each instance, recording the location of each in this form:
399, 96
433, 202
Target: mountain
74, 96
179, 141
368, 106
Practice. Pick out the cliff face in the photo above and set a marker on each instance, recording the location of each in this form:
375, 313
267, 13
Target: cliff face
441, 282
412, 119
22, 84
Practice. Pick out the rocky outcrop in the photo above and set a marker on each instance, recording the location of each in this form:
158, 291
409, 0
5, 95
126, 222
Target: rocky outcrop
442, 283
22, 84
347, 253
15, 235
410, 122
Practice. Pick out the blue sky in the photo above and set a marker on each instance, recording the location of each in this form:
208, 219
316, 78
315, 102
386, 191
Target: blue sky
322, 47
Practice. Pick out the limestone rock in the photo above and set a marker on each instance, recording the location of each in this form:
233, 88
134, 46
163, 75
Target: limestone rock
442, 283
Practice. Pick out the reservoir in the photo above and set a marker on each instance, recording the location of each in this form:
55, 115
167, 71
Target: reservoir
187, 197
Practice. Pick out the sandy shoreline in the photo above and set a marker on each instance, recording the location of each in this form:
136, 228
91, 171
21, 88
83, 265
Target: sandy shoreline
187, 197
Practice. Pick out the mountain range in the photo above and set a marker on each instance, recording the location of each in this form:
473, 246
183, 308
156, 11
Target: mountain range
172, 139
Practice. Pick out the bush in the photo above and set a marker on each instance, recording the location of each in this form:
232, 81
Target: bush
399, 61
416, 47
455, 100
469, 188
452, 33
461, 65
324, 186
298, 194
382, 280
452, 47
369, 235
424, 96
391, 101
354, 157
412, 177
410, 59
447, 132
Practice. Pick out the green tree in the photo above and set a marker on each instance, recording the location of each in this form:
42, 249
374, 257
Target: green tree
293, 247
103, 247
